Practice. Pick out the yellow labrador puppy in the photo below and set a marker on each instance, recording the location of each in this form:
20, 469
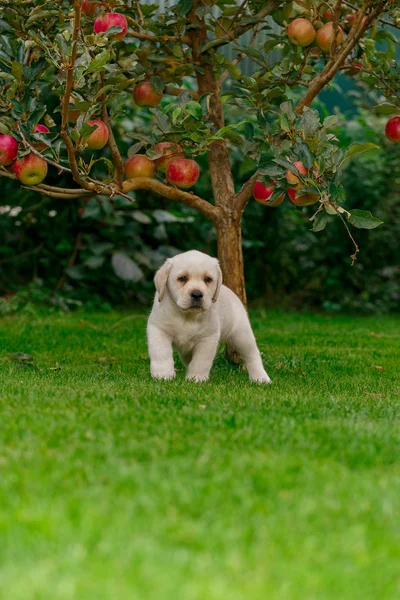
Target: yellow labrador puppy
193, 312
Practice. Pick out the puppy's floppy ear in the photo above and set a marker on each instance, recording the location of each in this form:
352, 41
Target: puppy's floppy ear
161, 278
219, 283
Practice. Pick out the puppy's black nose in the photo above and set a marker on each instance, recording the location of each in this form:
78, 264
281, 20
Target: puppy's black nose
196, 295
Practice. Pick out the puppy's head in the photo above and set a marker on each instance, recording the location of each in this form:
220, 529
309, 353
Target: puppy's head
192, 280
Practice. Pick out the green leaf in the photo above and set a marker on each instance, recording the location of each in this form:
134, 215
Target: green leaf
284, 122
135, 149
94, 262
356, 149
185, 6
288, 108
272, 171
98, 63
330, 121
307, 189
362, 219
194, 109
319, 221
303, 153
386, 109
213, 44
311, 122
157, 83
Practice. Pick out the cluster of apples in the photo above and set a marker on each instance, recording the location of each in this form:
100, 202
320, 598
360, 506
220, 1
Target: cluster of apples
302, 32
30, 169
180, 171
262, 192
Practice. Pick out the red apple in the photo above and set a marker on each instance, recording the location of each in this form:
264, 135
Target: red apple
169, 151
291, 178
99, 137
262, 193
354, 68
108, 20
31, 169
145, 95
8, 149
39, 128
324, 37
327, 15
139, 165
182, 172
301, 32
89, 8
351, 19
304, 200
392, 129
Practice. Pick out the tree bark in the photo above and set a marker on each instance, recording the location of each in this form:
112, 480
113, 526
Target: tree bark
230, 254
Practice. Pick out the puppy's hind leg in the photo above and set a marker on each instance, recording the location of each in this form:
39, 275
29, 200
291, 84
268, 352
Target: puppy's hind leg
203, 357
244, 342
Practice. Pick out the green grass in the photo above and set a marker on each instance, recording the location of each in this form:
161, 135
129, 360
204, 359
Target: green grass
113, 486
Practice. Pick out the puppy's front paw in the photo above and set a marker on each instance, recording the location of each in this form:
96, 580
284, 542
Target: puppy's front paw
260, 377
197, 378
163, 374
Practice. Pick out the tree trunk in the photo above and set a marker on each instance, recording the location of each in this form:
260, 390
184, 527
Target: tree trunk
230, 255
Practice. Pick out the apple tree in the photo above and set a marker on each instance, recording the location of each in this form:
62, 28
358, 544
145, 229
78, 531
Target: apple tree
108, 59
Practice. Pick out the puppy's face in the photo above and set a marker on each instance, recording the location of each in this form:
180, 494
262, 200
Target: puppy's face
193, 280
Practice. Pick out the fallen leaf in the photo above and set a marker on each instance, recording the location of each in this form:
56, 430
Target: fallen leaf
379, 368
21, 357
107, 359
373, 395
373, 334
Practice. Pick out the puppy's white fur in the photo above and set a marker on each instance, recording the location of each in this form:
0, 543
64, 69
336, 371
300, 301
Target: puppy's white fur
193, 324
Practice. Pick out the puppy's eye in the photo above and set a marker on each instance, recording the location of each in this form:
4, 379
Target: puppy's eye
207, 279
183, 279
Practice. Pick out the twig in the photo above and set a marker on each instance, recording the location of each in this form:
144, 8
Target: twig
112, 144
174, 91
336, 18
34, 151
357, 250
140, 13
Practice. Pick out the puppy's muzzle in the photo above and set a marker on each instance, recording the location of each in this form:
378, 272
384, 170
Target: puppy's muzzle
196, 298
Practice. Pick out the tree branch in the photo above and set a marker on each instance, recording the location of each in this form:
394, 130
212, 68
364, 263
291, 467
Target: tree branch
336, 18
334, 64
174, 91
112, 144
171, 193
244, 194
67, 94
48, 190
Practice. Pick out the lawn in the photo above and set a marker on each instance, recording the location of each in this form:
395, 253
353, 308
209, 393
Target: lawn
116, 487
